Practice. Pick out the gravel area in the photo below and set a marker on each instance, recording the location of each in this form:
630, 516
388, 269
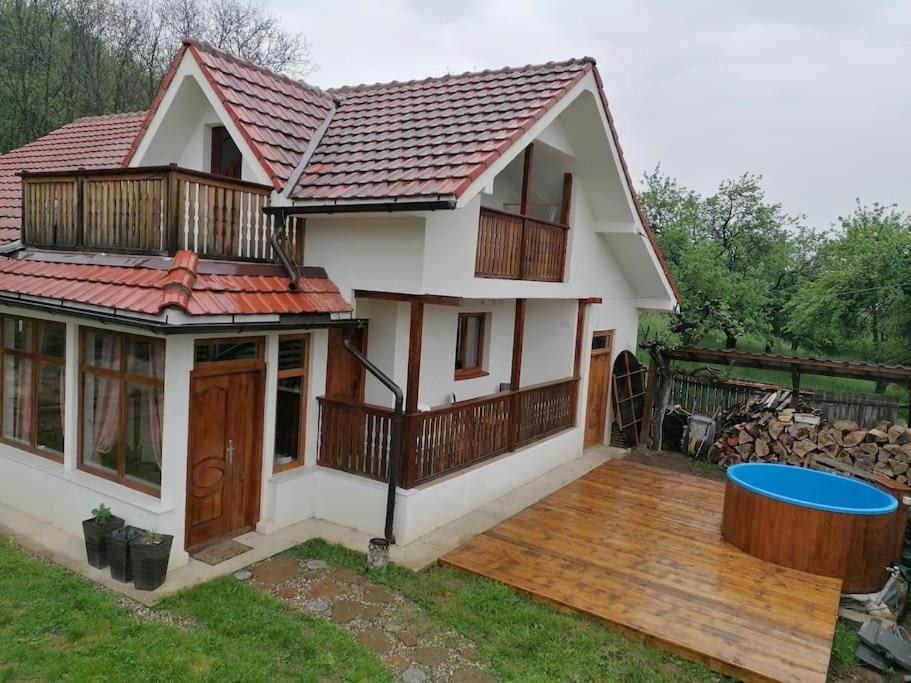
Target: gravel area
411, 643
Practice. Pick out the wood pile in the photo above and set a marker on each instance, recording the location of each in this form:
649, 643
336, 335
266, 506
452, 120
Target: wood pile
769, 429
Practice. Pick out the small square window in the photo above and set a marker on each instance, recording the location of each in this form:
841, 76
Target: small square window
469, 356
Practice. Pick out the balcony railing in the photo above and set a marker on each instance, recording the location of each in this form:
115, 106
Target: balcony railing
356, 437
516, 247
154, 210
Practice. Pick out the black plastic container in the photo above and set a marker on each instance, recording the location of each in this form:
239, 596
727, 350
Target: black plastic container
118, 547
96, 539
149, 554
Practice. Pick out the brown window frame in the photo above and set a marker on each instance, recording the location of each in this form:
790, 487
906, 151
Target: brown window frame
476, 370
302, 371
218, 136
36, 358
123, 378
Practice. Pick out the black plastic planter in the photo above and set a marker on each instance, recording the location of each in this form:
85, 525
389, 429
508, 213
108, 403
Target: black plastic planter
95, 539
118, 547
149, 556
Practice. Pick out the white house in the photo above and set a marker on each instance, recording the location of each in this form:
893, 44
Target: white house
177, 286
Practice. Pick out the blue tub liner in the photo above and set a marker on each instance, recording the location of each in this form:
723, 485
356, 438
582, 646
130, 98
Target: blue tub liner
812, 488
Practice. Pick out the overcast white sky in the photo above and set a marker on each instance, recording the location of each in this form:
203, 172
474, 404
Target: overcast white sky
813, 94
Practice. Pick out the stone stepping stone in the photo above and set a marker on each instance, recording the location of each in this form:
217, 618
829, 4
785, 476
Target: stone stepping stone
407, 639
243, 575
469, 674
317, 606
277, 570
413, 675
326, 588
344, 611
430, 655
376, 641
316, 565
377, 595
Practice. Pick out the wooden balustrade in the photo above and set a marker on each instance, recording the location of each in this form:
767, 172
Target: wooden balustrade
356, 437
151, 210
516, 247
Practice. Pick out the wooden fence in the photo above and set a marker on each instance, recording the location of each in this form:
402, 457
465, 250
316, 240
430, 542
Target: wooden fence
516, 247
708, 396
357, 437
151, 210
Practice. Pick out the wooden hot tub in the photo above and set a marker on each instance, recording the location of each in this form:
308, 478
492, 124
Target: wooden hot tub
814, 521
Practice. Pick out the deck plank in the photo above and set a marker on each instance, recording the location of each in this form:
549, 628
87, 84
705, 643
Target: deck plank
640, 548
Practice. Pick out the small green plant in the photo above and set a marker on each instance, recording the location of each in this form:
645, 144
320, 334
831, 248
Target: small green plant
101, 514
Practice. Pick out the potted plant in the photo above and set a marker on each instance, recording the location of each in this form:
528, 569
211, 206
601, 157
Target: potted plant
118, 547
95, 529
149, 554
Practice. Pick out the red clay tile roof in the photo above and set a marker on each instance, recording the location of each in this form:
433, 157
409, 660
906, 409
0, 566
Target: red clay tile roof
276, 115
151, 285
431, 137
93, 142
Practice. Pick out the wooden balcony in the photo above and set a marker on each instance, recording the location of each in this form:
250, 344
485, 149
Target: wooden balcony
151, 210
516, 247
356, 437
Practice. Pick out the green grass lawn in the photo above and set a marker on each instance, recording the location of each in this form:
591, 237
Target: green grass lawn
58, 627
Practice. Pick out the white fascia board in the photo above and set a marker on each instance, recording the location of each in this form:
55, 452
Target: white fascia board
661, 305
189, 67
617, 227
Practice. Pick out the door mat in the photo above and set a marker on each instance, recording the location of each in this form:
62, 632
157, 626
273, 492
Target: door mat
221, 551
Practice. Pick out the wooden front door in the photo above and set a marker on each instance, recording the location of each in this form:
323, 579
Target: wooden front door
598, 383
225, 452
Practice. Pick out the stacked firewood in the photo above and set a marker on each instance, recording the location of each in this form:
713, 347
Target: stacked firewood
770, 429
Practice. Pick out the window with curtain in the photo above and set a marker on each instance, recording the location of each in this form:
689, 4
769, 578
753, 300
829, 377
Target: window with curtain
469, 357
122, 404
291, 402
32, 384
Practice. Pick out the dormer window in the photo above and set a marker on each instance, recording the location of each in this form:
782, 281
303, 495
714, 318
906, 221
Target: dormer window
226, 158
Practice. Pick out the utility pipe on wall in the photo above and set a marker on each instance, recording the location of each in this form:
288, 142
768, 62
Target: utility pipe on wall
398, 421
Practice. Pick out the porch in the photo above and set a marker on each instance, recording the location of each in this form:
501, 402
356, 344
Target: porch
640, 549
356, 435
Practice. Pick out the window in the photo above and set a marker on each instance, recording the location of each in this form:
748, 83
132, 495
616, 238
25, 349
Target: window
225, 350
226, 158
122, 384
32, 386
291, 402
469, 358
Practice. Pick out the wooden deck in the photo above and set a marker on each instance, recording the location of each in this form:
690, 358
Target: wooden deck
641, 549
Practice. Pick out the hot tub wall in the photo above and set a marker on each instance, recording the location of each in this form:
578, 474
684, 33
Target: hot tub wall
854, 548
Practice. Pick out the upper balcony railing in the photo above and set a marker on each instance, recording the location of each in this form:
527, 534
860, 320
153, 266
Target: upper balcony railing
516, 247
153, 210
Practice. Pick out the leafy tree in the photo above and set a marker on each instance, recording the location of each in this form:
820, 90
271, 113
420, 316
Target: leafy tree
733, 254
859, 301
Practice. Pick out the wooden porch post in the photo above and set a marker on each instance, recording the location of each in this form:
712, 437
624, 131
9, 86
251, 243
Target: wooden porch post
515, 376
412, 389
415, 337
525, 205
577, 355
567, 199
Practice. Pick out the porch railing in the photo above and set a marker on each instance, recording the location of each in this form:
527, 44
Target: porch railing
356, 437
516, 247
155, 210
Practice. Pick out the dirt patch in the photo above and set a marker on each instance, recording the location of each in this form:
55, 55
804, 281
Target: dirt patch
676, 462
